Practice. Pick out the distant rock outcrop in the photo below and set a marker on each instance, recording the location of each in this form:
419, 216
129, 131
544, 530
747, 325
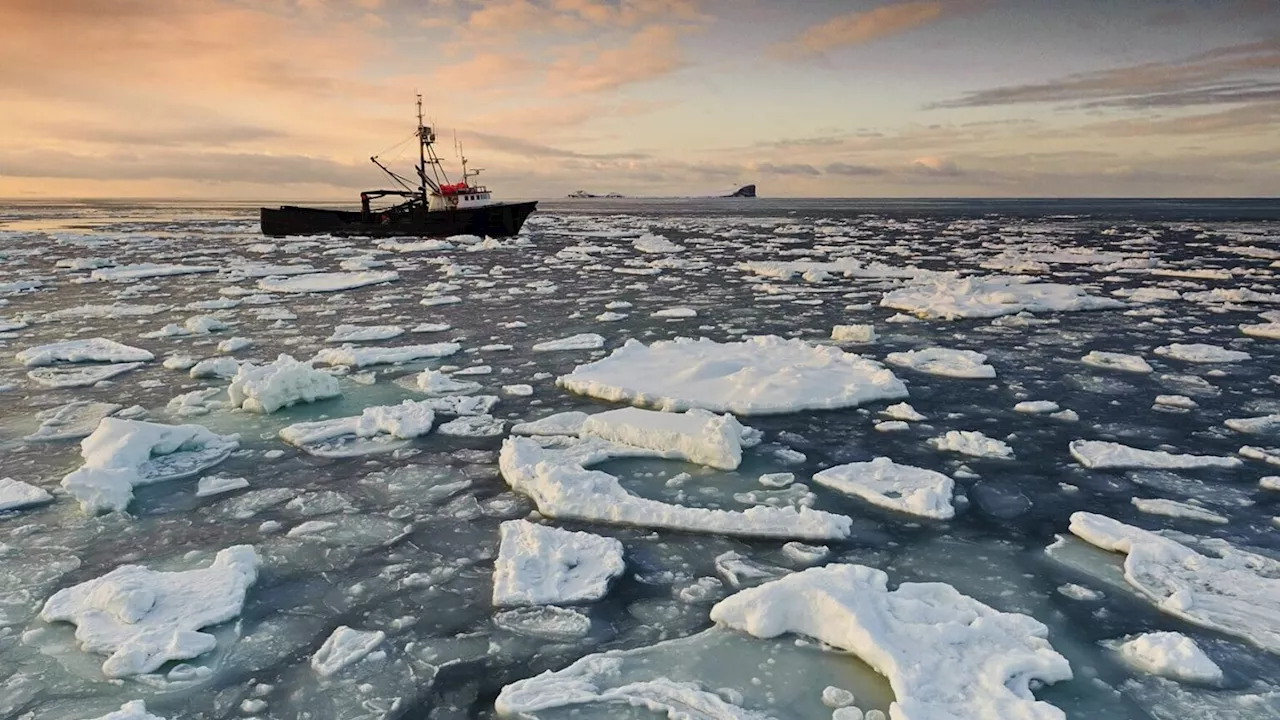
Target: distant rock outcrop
746, 191
584, 194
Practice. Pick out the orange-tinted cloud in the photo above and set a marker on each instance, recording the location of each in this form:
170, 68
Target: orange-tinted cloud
650, 53
860, 27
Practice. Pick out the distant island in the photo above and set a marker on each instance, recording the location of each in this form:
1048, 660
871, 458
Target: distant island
746, 191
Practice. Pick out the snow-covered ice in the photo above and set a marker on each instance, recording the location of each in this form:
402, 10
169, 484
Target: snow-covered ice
1169, 654
992, 296
972, 443
78, 351
142, 618
365, 356
344, 647
15, 495
903, 488
944, 362
1201, 353
377, 429
1103, 455
1116, 361
762, 375
326, 282
582, 341
280, 384
695, 435
541, 565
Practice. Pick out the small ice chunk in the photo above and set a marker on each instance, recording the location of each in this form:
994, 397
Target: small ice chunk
1173, 508
944, 362
474, 426
345, 647
1201, 353
1080, 592
541, 565
281, 384
803, 554
326, 282
1116, 361
882, 482
235, 344
1171, 655
81, 375
365, 333
381, 428
179, 362
1036, 407
972, 443
1270, 482
520, 390
1176, 401
1102, 455
77, 351
142, 618
853, 333
15, 495
696, 435
902, 411
777, 480
1265, 425
363, 356
582, 341
133, 710
676, 312
892, 426
945, 655
435, 383
834, 697
217, 484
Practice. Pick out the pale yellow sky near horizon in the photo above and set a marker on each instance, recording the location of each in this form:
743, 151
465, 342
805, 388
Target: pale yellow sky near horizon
286, 99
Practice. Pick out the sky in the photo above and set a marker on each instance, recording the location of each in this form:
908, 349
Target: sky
287, 99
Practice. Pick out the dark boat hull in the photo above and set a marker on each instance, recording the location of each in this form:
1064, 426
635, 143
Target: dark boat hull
496, 220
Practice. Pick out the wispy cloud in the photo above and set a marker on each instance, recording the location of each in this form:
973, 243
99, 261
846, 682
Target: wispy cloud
650, 53
856, 28
1247, 72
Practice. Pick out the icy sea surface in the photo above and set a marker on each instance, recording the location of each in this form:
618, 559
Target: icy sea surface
395, 537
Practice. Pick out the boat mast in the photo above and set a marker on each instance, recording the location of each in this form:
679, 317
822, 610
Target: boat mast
422, 153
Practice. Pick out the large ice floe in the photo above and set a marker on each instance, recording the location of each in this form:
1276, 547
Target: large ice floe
99, 350
142, 618
944, 362
540, 565
1103, 455
906, 489
946, 655
121, 454
326, 282
553, 472
378, 429
985, 297
285, 382
1232, 591
761, 375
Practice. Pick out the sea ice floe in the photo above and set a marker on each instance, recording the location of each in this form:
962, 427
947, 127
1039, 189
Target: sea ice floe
676, 313
353, 356
1102, 455
80, 375
984, 297
133, 710
148, 270
434, 382
902, 411
216, 367
1036, 407
218, 484
1116, 361
973, 444
946, 655
696, 436
906, 489
1201, 353
235, 344
326, 282
853, 334
16, 495
1168, 654
761, 375
364, 333
1269, 331
564, 423
541, 565
345, 647
281, 384
143, 618
381, 428
120, 454
655, 244
582, 341
1264, 425
557, 480
1175, 509
1231, 591
473, 426
944, 362
76, 351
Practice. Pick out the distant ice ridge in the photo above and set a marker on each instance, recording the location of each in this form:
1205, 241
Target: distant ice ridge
992, 296
120, 454
540, 565
281, 384
903, 488
78, 351
1231, 591
552, 471
946, 655
142, 618
761, 375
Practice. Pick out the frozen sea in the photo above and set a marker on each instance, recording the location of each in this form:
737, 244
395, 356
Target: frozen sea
404, 542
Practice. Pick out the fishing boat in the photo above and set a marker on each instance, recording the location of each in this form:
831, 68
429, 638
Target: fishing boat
435, 208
